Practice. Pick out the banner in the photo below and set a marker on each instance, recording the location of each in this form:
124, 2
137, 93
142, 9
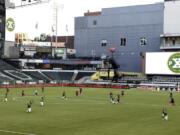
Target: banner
165, 63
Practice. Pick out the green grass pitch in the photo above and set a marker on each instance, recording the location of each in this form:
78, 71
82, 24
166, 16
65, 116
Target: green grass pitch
88, 114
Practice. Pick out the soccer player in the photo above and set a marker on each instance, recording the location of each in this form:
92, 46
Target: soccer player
122, 93
31, 102
172, 101
36, 93
118, 98
42, 101
110, 95
164, 114
171, 94
77, 93
29, 109
7, 90
111, 98
80, 90
5, 98
64, 95
22, 93
42, 89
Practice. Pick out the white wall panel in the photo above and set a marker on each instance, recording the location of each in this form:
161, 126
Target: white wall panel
157, 63
172, 17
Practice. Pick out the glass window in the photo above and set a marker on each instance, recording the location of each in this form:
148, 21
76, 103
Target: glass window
103, 42
143, 41
123, 42
95, 22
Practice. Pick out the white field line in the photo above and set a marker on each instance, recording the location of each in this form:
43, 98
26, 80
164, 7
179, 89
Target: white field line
14, 132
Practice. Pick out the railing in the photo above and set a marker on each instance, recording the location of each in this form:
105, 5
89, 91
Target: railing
170, 46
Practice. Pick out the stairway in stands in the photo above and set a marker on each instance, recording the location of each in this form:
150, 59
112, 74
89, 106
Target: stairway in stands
5, 66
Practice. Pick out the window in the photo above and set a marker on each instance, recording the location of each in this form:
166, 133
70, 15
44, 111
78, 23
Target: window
173, 41
95, 22
103, 42
123, 42
143, 41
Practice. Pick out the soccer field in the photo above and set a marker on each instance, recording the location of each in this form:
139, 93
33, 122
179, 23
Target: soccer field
91, 113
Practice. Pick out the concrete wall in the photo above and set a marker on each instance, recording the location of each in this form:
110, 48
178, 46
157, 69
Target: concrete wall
172, 17
131, 23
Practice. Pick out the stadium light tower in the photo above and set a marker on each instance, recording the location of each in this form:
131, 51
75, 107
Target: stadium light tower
56, 7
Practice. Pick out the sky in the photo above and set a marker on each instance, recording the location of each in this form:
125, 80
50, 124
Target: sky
27, 18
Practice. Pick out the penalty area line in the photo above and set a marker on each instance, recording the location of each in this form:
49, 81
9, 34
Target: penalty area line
14, 132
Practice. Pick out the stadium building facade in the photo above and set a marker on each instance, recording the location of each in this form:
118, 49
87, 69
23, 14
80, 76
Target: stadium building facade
132, 30
2, 25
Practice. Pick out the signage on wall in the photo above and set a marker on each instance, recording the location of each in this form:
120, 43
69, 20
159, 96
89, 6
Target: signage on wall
10, 24
174, 63
163, 63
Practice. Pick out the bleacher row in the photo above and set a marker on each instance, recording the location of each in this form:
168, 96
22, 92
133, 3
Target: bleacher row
166, 78
9, 73
45, 76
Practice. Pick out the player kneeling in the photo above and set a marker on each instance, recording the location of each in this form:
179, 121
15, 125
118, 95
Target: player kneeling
5, 98
164, 114
42, 101
29, 109
113, 101
64, 95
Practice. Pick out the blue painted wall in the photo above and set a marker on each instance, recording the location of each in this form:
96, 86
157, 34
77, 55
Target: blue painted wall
132, 23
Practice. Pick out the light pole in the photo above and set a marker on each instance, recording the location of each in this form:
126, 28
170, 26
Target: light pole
56, 8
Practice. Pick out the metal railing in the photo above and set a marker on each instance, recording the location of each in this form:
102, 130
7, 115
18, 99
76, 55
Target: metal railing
170, 46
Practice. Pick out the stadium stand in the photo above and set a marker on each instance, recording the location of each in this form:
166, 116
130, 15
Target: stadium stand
37, 75
83, 74
3, 78
60, 76
5, 66
165, 79
18, 75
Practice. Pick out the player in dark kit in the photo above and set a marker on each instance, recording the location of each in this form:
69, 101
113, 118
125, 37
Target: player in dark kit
64, 95
7, 90
5, 98
36, 93
29, 109
110, 95
164, 114
80, 91
122, 93
22, 93
118, 98
77, 93
171, 94
42, 101
172, 102
111, 98
42, 89
31, 102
